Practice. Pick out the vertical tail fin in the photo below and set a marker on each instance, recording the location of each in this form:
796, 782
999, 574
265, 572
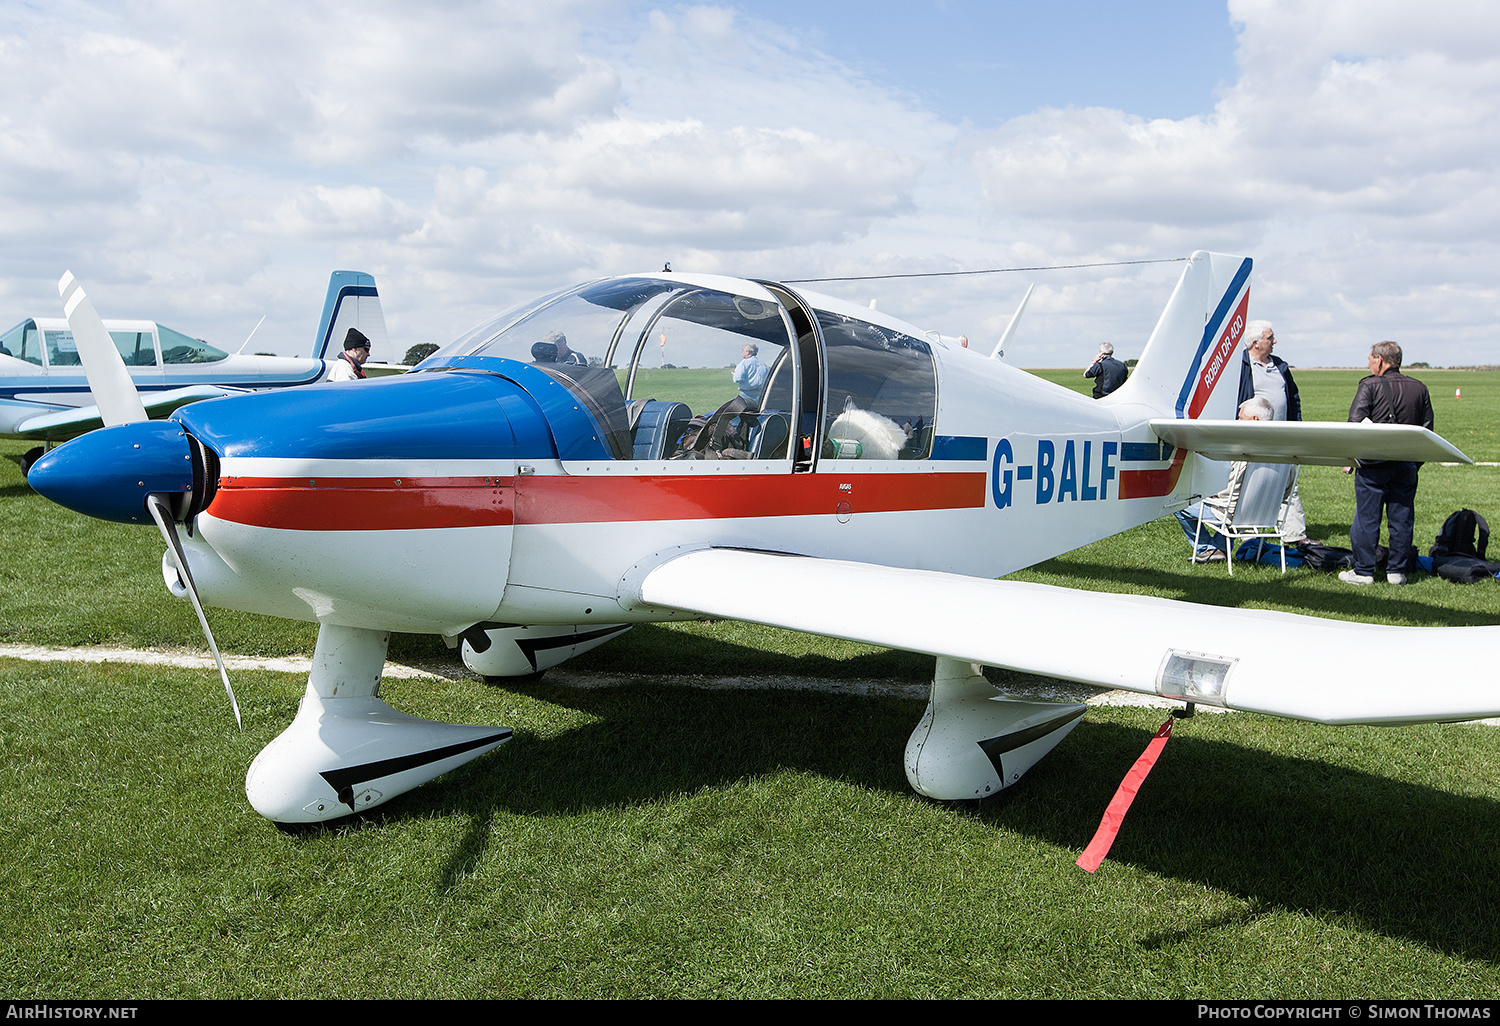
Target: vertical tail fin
352, 302
1191, 353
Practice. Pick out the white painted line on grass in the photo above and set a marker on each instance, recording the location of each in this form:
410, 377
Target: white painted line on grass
1060, 692
183, 659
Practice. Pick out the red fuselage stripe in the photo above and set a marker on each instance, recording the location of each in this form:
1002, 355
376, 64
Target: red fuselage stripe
1144, 484
365, 503
393, 504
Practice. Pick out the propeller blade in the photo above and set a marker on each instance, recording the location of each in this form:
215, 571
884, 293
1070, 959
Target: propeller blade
109, 380
162, 514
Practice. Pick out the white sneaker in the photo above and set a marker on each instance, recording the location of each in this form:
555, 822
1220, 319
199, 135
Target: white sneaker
1355, 577
1391, 578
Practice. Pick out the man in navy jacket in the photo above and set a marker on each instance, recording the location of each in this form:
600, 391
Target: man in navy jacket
1107, 372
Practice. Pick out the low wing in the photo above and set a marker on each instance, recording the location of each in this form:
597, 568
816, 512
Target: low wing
61, 425
1300, 667
1329, 443
380, 370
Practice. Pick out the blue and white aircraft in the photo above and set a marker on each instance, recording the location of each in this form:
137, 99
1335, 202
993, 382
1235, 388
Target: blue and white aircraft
586, 461
44, 392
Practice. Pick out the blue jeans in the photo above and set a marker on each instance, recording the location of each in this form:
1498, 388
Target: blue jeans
1389, 488
1189, 519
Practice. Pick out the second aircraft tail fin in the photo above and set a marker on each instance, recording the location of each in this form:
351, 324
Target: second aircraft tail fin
352, 302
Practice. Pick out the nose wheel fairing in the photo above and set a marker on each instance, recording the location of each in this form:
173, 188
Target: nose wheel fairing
346, 755
348, 751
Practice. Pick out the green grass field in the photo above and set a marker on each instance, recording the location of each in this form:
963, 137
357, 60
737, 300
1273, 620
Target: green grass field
650, 839
703, 389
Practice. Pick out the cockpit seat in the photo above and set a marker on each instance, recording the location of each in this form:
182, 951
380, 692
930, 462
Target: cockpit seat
658, 427
768, 439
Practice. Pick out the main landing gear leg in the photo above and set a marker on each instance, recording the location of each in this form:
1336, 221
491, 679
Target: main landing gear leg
972, 742
348, 751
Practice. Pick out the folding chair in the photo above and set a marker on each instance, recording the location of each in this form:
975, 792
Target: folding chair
1254, 511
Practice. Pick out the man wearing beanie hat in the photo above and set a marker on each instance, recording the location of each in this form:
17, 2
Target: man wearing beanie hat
350, 363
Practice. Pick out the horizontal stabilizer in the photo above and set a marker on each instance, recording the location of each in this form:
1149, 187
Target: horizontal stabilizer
1283, 664
61, 425
1325, 443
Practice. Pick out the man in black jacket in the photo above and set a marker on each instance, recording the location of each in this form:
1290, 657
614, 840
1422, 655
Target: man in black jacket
1386, 397
1266, 376
1107, 372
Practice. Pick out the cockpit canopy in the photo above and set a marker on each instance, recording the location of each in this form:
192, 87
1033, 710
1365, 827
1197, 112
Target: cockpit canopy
704, 367
48, 342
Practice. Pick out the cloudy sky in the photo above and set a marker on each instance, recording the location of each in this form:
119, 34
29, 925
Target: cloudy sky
205, 164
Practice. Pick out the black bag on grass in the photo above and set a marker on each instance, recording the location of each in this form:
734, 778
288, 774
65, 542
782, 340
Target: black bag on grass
1458, 552
1464, 569
1457, 536
1326, 557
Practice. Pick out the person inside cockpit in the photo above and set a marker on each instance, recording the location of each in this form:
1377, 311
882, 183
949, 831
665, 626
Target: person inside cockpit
553, 348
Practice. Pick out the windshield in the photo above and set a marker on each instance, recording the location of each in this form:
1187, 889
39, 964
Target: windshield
179, 348
23, 342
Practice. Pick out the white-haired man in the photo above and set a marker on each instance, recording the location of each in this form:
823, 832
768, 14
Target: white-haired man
1212, 546
750, 374
1264, 375
1107, 372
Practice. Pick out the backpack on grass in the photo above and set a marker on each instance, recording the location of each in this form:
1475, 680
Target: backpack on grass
1459, 550
1457, 536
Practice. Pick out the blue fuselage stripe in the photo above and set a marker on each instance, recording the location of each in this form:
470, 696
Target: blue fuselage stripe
1145, 452
959, 447
45, 388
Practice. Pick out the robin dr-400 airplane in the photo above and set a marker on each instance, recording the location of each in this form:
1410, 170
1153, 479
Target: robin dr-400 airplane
547, 484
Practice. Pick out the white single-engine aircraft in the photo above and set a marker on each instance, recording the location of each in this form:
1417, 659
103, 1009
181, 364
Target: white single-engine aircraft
570, 468
44, 394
